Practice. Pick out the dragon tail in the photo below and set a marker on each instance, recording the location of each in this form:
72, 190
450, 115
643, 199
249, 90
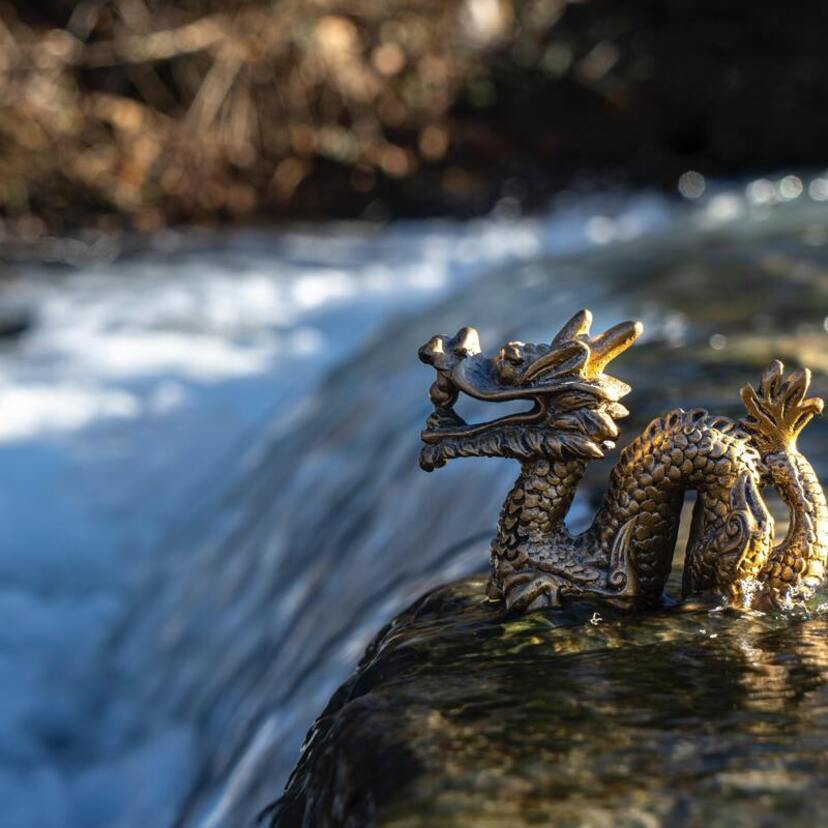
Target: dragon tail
777, 413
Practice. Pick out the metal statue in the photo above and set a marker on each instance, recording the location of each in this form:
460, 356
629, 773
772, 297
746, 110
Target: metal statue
625, 557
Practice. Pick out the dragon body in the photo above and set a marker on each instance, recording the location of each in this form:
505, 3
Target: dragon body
626, 556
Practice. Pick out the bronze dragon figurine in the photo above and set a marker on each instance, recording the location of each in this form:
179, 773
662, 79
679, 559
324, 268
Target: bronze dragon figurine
625, 557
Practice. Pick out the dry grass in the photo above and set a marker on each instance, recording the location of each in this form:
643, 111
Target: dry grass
147, 112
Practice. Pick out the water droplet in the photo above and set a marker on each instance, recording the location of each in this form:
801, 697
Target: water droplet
760, 191
691, 184
818, 189
790, 187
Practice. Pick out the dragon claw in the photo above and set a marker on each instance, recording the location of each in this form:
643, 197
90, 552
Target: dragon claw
529, 591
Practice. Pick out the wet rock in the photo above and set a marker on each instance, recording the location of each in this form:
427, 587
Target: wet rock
459, 716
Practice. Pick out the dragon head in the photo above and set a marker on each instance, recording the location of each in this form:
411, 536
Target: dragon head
574, 404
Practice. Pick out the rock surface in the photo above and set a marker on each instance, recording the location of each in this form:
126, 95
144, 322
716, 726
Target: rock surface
458, 716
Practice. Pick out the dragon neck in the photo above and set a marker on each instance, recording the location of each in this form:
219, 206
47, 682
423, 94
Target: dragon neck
535, 509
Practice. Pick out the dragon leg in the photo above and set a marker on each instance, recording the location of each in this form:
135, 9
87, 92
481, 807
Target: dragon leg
534, 587
729, 556
530, 589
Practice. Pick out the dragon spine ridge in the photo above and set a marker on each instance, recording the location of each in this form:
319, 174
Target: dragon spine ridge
625, 557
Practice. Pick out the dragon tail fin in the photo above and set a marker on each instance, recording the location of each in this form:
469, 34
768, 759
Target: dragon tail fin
778, 411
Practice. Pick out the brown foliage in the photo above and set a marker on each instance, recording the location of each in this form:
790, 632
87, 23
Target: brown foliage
161, 112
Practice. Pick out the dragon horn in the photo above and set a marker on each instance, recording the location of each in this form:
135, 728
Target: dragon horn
577, 326
608, 345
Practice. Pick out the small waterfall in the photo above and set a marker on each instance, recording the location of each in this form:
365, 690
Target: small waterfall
248, 530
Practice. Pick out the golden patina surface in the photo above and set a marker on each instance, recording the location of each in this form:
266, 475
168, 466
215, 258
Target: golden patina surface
625, 557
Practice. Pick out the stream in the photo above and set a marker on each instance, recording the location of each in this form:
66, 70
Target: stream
212, 500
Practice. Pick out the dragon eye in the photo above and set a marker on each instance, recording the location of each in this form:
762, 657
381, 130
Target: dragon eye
509, 360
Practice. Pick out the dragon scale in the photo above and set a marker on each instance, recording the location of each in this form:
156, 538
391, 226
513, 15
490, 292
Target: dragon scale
626, 555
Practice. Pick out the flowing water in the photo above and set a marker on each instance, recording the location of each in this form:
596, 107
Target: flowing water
212, 500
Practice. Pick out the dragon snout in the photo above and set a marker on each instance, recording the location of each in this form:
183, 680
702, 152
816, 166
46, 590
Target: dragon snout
444, 352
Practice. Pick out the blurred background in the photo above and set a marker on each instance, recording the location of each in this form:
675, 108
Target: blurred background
225, 228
